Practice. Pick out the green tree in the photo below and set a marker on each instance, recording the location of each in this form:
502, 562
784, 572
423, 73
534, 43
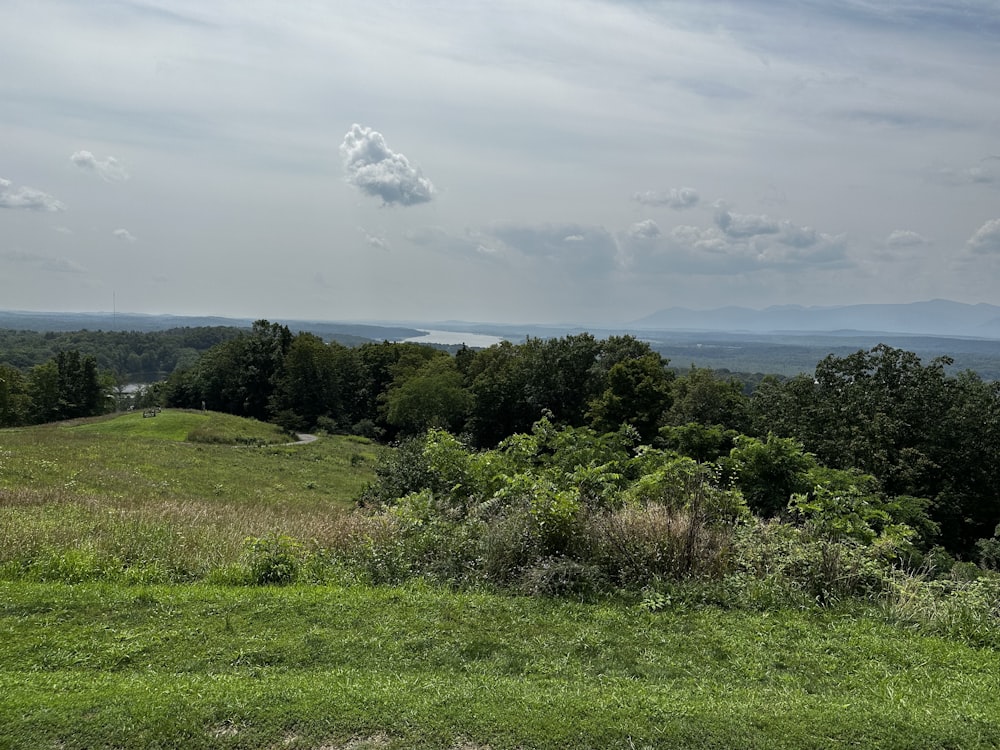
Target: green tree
921, 433
701, 397
315, 382
433, 396
637, 393
15, 400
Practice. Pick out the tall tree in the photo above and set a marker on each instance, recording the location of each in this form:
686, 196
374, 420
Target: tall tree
637, 393
15, 401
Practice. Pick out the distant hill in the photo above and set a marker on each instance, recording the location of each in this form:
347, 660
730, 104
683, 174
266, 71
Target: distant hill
345, 333
935, 317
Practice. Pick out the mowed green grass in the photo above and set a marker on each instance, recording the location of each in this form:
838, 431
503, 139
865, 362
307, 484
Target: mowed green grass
196, 666
182, 424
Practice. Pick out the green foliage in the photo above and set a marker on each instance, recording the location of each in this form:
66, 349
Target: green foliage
769, 472
702, 397
966, 610
15, 400
919, 432
433, 396
275, 559
837, 516
702, 442
637, 393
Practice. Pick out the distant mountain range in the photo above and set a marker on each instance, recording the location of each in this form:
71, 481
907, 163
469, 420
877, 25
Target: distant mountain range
936, 317
345, 333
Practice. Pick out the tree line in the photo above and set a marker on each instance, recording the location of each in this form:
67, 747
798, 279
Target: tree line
908, 430
128, 356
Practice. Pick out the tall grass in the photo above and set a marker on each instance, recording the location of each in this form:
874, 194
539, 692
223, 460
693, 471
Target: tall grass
130, 496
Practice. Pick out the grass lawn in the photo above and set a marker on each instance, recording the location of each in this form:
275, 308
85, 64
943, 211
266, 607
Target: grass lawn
96, 665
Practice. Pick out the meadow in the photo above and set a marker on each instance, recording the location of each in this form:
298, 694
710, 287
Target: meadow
131, 616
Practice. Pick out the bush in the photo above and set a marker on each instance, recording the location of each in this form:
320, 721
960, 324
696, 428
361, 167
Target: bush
275, 559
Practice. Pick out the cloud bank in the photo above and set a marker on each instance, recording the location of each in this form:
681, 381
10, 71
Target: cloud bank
377, 170
124, 235
109, 170
27, 197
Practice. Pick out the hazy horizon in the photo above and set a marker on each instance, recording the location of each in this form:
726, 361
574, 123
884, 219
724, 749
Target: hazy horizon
540, 162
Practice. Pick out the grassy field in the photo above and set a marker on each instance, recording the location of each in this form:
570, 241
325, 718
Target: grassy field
116, 633
138, 494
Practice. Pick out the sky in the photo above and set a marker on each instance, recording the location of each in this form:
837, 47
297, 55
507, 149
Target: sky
536, 161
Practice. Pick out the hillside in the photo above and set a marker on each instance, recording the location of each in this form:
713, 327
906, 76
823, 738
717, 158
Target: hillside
192, 580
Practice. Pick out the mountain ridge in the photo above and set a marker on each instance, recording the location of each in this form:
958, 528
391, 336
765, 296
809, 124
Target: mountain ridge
935, 317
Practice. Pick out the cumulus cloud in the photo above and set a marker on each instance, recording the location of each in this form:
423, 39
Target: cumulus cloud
905, 238
124, 235
26, 197
987, 238
745, 225
678, 198
737, 244
644, 230
110, 169
377, 170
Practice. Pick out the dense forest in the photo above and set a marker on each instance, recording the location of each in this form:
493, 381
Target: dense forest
909, 442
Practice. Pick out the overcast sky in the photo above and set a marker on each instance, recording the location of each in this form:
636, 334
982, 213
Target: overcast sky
536, 161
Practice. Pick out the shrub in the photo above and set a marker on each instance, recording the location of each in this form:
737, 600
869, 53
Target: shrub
275, 559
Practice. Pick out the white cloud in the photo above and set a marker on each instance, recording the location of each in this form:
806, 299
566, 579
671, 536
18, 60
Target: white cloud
27, 197
745, 225
678, 198
644, 230
124, 235
377, 170
905, 238
110, 169
742, 244
987, 238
